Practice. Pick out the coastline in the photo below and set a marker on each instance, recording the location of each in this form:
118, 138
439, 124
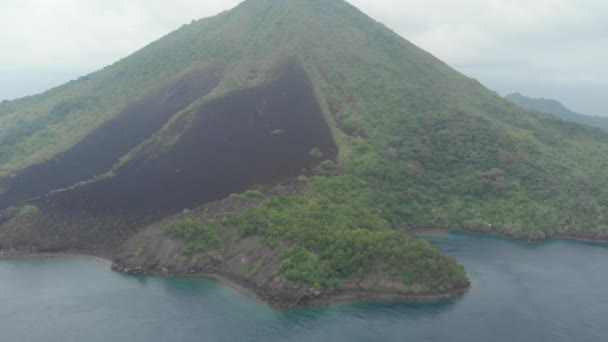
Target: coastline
16, 255
247, 289
416, 231
376, 296
336, 297
283, 298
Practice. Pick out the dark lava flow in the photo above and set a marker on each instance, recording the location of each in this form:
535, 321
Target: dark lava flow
98, 152
252, 136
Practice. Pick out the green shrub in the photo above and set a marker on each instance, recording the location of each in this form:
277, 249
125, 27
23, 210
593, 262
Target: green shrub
228, 219
253, 194
302, 267
199, 237
28, 210
328, 165
316, 153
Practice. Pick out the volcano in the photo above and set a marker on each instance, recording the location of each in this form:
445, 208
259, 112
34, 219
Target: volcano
290, 146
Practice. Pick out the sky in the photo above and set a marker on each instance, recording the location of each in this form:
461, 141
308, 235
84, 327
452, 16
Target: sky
541, 48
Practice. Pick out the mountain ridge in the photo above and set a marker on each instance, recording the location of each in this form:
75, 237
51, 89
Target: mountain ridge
555, 108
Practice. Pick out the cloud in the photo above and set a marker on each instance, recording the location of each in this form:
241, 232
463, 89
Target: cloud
78, 34
550, 48
527, 44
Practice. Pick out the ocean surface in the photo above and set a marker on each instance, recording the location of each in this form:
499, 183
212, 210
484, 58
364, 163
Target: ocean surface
555, 291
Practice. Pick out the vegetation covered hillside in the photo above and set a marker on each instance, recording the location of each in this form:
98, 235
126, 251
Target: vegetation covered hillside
418, 144
553, 107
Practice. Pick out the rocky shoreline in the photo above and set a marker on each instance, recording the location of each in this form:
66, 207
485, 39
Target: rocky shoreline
244, 263
233, 270
272, 291
279, 295
286, 297
23, 254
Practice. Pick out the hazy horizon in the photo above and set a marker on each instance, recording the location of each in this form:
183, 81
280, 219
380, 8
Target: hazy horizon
552, 49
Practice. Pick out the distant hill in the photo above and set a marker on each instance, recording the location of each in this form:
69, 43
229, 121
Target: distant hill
555, 108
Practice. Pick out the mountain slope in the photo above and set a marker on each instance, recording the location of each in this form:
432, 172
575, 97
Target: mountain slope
553, 107
384, 138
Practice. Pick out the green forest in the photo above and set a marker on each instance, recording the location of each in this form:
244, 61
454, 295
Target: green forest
333, 235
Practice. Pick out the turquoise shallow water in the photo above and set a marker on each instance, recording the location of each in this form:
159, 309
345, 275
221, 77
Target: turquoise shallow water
556, 291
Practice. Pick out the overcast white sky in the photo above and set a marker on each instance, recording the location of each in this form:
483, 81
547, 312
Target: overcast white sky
542, 48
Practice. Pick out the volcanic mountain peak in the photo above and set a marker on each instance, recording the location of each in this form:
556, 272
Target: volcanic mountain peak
348, 134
